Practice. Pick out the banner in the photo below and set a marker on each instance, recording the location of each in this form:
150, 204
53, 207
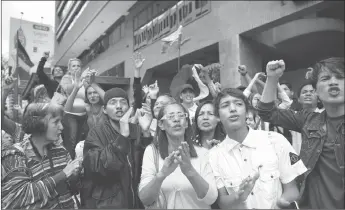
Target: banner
35, 38
183, 13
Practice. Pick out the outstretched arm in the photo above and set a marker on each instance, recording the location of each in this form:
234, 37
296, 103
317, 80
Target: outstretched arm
204, 91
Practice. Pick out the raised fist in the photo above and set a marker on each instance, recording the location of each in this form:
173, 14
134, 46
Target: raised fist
46, 54
242, 69
275, 68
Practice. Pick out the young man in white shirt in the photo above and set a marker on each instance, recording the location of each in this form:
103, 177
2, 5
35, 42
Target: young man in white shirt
264, 158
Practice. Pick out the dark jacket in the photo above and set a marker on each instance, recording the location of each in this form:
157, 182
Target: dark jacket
110, 165
313, 128
137, 93
50, 84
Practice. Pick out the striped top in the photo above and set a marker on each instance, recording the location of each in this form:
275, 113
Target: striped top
30, 182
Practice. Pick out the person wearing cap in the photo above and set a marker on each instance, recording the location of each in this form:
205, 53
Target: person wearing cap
187, 95
110, 169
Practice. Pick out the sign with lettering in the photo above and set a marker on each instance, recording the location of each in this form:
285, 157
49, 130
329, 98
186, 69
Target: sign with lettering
183, 13
36, 39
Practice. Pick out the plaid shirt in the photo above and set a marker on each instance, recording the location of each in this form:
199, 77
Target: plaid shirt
29, 182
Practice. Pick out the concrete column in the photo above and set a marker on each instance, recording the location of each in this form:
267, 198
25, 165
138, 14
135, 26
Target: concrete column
229, 57
236, 51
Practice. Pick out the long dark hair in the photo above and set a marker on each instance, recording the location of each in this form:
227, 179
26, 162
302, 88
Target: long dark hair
87, 100
161, 140
219, 133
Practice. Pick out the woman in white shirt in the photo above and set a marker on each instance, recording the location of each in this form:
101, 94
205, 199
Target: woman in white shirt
184, 176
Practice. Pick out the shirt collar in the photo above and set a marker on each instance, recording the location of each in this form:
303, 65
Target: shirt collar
250, 141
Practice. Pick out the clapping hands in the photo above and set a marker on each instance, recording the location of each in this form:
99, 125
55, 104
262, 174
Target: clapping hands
180, 157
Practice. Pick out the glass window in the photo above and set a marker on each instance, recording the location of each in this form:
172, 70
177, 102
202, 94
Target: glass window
190, 7
122, 29
115, 36
203, 3
150, 12
135, 23
180, 14
197, 4
116, 71
77, 16
142, 18
105, 42
66, 9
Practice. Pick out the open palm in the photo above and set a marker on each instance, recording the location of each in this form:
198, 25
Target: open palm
138, 60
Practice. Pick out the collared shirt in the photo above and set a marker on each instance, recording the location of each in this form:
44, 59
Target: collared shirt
297, 137
177, 189
30, 182
232, 162
192, 111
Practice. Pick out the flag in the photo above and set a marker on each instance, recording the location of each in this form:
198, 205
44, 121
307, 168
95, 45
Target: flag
171, 39
23, 58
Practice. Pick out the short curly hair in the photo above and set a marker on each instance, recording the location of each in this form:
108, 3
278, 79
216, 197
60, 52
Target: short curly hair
34, 119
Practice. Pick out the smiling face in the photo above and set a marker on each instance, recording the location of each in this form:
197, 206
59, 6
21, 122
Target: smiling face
330, 87
232, 112
206, 119
174, 121
54, 127
308, 96
187, 96
58, 72
116, 108
92, 95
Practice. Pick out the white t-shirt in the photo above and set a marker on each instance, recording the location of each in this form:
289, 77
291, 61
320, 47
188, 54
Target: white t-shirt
232, 162
177, 189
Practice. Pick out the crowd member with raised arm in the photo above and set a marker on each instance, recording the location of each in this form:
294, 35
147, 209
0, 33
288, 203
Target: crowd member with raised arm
110, 179
322, 148
12, 128
50, 84
138, 61
175, 167
37, 174
242, 69
253, 168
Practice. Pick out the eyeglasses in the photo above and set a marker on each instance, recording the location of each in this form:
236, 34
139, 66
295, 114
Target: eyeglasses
173, 116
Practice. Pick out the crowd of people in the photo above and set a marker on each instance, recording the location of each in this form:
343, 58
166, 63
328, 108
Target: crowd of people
256, 146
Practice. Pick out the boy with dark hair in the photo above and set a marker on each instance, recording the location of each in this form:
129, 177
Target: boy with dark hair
253, 168
322, 133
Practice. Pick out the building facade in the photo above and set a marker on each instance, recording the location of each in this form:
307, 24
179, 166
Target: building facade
105, 34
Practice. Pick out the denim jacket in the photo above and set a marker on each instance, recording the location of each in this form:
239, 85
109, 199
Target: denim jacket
313, 128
